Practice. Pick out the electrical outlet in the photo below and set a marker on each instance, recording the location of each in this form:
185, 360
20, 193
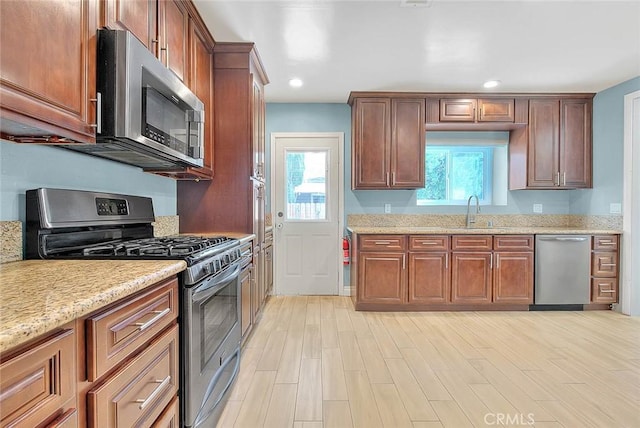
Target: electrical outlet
615, 208
387, 208
537, 208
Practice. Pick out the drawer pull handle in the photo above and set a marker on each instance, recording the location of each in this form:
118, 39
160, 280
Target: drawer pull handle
382, 242
154, 394
607, 291
607, 243
159, 314
429, 243
607, 264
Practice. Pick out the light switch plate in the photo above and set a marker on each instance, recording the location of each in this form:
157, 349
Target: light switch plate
387, 208
615, 208
537, 208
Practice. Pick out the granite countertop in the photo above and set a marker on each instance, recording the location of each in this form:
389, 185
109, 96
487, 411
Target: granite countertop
452, 230
37, 296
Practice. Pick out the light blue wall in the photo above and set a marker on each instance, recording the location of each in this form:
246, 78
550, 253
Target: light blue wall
26, 166
337, 118
608, 151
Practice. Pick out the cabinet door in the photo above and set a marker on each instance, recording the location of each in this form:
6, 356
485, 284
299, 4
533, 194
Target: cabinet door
407, 143
38, 382
47, 69
543, 166
513, 277
381, 277
429, 277
245, 299
575, 143
170, 418
173, 22
371, 143
257, 131
496, 110
471, 277
201, 83
268, 268
136, 16
458, 110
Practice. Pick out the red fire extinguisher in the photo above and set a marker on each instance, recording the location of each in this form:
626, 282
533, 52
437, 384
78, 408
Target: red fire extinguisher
345, 251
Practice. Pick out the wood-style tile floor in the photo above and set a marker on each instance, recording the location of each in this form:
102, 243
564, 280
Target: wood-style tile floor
315, 362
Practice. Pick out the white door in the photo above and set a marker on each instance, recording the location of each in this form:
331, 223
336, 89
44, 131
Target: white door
307, 216
630, 287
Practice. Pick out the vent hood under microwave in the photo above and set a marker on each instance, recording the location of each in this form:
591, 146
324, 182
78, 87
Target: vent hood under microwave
146, 116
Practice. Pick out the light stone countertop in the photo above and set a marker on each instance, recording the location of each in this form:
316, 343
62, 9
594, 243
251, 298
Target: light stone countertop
448, 230
37, 296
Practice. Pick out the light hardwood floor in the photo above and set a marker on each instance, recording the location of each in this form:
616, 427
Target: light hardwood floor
315, 362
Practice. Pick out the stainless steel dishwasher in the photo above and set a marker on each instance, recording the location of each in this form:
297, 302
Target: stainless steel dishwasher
562, 272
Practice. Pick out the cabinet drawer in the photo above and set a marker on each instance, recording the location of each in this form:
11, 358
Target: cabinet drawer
68, 419
604, 264
471, 242
37, 383
429, 243
513, 242
137, 393
116, 333
604, 290
605, 242
170, 418
382, 242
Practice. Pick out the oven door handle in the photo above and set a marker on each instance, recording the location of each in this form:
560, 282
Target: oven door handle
214, 285
203, 417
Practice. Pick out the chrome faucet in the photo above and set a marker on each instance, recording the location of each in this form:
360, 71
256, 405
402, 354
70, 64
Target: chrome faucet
471, 219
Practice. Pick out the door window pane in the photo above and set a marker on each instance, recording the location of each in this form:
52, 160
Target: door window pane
306, 174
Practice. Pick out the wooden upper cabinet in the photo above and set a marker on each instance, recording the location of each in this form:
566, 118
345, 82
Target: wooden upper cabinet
555, 149
371, 119
173, 32
136, 16
477, 110
496, 110
575, 142
388, 143
161, 25
258, 128
47, 74
458, 110
407, 143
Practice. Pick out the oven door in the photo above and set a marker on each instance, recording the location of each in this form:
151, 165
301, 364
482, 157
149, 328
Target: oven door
211, 345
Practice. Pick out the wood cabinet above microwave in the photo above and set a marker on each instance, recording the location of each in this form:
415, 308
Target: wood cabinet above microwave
47, 78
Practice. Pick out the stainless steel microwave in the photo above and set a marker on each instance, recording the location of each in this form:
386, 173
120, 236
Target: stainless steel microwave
146, 116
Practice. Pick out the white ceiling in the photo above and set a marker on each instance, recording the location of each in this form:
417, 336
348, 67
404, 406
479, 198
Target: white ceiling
340, 46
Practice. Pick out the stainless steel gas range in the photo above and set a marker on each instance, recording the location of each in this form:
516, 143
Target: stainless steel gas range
76, 224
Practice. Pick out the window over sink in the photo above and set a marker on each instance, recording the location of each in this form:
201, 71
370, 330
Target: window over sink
461, 164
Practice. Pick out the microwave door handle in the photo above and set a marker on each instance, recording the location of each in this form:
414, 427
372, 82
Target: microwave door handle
196, 116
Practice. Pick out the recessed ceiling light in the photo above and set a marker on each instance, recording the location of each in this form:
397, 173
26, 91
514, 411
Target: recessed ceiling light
491, 83
295, 83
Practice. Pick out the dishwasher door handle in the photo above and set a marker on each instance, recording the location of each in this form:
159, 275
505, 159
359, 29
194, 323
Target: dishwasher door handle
568, 239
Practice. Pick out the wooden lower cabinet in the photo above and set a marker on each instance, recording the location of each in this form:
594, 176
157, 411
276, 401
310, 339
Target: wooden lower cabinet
38, 384
604, 268
471, 277
429, 279
383, 276
138, 392
170, 418
245, 299
443, 272
513, 277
